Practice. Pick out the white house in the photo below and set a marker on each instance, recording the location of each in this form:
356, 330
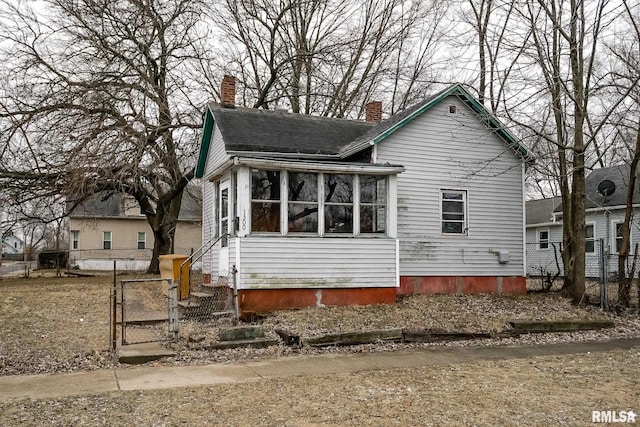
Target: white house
606, 191
324, 211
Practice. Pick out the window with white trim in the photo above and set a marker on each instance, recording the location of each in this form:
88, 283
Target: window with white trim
590, 239
617, 227
543, 238
303, 202
373, 203
106, 239
338, 203
75, 239
142, 240
454, 211
315, 200
265, 201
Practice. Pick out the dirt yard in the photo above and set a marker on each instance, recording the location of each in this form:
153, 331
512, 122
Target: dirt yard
62, 324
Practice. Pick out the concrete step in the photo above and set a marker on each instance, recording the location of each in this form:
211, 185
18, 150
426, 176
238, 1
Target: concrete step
142, 353
188, 304
202, 295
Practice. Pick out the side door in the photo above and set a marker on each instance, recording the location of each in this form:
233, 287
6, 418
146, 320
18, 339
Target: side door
223, 228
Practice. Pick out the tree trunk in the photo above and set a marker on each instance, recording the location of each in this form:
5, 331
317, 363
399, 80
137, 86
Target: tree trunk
164, 224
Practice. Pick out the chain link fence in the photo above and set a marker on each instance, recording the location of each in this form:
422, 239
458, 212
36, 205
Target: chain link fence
545, 270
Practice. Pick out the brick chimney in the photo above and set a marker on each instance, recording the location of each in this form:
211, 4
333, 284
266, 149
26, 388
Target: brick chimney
373, 111
228, 91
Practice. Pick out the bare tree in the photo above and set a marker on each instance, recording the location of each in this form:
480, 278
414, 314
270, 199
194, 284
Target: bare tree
626, 51
99, 99
565, 48
328, 57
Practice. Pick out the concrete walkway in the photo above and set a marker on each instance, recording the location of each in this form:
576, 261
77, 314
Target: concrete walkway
146, 378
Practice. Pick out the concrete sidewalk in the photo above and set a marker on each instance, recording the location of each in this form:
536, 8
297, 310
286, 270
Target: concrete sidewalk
146, 378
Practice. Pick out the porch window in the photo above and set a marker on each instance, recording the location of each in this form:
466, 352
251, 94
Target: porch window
265, 201
75, 238
373, 196
338, 203
303, 202
142, 240
106, 240
454, 218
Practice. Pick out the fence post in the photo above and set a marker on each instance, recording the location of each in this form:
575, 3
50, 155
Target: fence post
173, 309
236, 307
114, 310
604, 273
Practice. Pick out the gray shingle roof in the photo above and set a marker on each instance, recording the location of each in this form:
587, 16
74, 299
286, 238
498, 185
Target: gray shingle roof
539, 211
268, 131
104, 205
619, 175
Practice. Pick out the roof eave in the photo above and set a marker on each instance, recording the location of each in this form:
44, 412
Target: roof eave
207, 131
457, 90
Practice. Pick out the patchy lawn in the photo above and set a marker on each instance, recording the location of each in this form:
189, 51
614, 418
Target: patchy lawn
62, 324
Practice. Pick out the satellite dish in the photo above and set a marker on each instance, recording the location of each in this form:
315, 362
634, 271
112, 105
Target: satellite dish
606, 188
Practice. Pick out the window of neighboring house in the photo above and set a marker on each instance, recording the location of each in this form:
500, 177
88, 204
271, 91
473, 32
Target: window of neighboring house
543, 238
590, 239
338, 203
303, 202
142, 240
454, 218
106, 240
75, 237
373, 200
618, 230
265, 201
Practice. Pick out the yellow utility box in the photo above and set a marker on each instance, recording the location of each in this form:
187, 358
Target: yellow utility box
170, 269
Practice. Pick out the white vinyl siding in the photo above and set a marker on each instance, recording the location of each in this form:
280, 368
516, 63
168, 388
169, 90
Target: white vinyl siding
440, 150
315, 262
208, 221
217, 154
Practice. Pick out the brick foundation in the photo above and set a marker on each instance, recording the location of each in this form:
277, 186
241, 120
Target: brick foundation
266, 300
415, 285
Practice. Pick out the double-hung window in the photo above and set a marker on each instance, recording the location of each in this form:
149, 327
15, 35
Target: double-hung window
590, 239
454, 211
543, 238
106, 240
142, 240
618, 233
75, 238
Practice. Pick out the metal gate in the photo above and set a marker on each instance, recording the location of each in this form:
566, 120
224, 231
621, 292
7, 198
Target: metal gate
145, 309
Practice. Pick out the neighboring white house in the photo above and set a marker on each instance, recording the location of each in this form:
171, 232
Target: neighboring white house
606, 191
12, 244
325, 211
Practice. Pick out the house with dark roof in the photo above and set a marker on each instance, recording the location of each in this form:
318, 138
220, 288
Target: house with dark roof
606, 192
312, 211
109, 226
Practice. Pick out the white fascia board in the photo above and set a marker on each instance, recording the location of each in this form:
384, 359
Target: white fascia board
543, 224
319, 167
306, 156
219, 171
351, 150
